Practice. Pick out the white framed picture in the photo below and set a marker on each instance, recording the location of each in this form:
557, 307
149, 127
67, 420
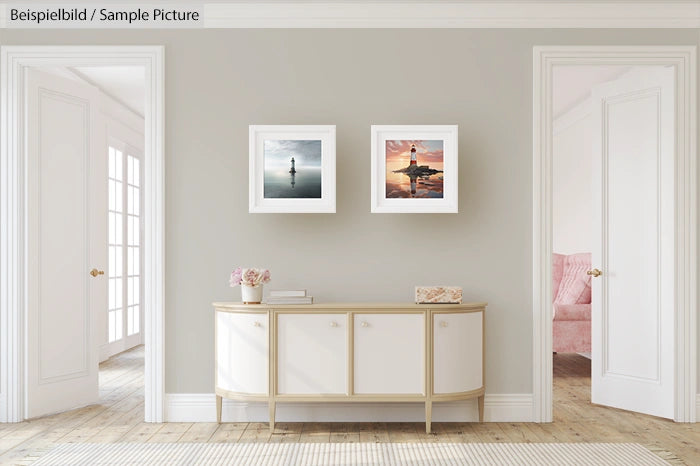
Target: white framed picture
292, 168
414, 168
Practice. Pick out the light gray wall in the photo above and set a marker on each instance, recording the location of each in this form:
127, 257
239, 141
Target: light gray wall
220, 81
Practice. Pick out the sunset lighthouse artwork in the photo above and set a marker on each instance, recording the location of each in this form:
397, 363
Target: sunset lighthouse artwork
405, 177
414, 169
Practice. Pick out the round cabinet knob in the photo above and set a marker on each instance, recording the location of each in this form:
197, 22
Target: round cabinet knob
443, 323
334, 324
364, 324
256, 324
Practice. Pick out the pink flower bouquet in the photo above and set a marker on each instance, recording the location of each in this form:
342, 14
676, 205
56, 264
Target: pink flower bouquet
249, 277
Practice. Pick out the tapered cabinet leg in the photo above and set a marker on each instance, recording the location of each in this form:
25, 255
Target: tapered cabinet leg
218, 409
428, 416
481, 408
272, 415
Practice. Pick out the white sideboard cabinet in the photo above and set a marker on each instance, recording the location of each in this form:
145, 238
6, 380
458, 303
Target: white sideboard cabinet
349, 352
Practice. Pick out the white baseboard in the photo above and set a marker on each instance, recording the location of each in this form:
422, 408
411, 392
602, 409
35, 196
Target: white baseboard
201, 407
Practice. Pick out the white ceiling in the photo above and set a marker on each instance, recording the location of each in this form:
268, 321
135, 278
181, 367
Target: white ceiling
573, 84
123, 83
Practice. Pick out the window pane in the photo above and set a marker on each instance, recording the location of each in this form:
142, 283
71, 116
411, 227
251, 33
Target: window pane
136, 259
112, 265
137, 201
118, 197
130, 169
111, 162
111, 193
119, 327
131, 228
112, 228
137, 319
137, 174
118, 293
130, 261
119, 167
118, 261
136, 239
112, 294
130, 202
118, 229
129, 321
132, 289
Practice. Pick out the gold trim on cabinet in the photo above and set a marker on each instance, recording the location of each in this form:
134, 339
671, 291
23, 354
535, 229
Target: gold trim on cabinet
351, 354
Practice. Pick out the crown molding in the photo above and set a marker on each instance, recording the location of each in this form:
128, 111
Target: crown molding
461, 14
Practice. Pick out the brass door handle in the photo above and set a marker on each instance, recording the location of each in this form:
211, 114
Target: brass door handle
95, 272
595, 272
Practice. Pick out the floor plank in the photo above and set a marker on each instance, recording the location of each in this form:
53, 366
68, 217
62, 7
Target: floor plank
118, 417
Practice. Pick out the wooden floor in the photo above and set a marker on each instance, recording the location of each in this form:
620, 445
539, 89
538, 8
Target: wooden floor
119, 418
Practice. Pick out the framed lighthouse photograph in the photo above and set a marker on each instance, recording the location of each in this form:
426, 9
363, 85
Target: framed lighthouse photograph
414, 169
292, 168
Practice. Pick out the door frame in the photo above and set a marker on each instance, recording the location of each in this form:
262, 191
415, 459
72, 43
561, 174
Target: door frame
14, 60
683, 58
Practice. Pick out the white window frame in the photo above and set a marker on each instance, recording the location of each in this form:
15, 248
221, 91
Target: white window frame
127, 341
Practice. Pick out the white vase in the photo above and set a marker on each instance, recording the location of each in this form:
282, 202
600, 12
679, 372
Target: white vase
251, 294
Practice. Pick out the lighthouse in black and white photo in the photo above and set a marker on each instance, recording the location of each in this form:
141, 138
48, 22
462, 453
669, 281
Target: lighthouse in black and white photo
292, 169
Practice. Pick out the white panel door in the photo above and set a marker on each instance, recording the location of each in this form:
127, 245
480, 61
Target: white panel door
66, 232
457, 352
312, 353
389, 353
633, 212
242, 352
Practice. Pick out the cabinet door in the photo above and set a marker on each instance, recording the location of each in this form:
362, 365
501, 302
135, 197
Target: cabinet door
242, 352
311, 353
389, 353
457, 352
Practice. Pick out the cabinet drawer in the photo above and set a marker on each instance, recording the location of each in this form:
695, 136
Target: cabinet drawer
457, 352
312, 354
242, 352
389, 353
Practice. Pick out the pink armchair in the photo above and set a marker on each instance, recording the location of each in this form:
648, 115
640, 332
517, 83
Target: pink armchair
571, 292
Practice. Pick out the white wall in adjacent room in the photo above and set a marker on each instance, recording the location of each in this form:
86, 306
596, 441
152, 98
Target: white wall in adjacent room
571, 186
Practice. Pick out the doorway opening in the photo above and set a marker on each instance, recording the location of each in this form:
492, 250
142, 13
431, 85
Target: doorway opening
641, 227
573, 138
85, 144
92, 119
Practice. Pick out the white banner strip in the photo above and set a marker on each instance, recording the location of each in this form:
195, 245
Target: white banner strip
358, 14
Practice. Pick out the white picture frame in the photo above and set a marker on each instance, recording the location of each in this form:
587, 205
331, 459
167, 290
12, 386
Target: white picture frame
283, 138
420, 192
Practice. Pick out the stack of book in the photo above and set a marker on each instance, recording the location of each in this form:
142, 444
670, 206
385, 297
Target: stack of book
289, 297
